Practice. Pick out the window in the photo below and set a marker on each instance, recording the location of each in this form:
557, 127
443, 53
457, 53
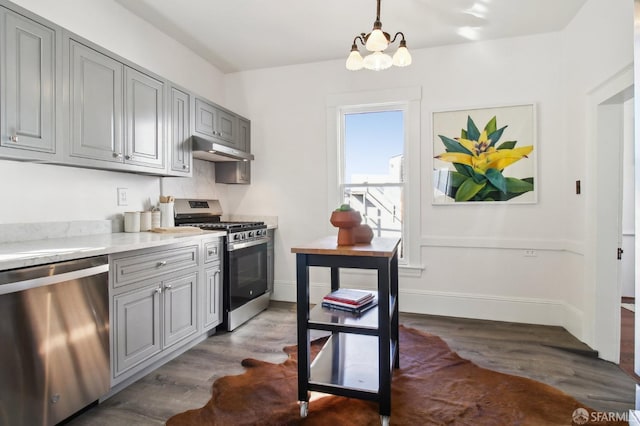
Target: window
373, 168
391, 172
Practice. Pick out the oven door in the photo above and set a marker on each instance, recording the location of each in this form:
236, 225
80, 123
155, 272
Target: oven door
247, 272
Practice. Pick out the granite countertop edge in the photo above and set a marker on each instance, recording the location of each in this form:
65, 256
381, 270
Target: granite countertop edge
22, 254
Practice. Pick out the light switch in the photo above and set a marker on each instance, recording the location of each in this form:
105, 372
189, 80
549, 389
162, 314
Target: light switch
122, 197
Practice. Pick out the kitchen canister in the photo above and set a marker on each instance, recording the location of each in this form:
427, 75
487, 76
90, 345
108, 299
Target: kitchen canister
155, 219
145, 221
166, 215
131, 221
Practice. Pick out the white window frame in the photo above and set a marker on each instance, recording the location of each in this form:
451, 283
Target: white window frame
405, 99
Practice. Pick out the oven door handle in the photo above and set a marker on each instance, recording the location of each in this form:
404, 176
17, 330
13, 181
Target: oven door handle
238, 246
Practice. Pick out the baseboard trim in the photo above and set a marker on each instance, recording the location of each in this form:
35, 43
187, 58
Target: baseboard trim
463, 305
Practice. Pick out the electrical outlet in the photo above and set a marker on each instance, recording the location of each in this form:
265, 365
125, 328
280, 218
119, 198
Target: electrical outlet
123, 199
530, 253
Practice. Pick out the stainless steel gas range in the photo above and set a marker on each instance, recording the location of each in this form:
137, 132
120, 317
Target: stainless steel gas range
244, 273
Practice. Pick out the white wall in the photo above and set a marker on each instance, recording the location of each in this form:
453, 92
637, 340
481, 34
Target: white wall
473, 256
42, 193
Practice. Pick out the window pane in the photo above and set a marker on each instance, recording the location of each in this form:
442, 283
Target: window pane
373, 148
374, 170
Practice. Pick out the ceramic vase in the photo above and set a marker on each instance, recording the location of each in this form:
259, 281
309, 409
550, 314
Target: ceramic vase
346, 221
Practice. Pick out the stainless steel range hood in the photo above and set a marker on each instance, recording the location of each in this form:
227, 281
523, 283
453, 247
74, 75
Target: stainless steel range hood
207, 150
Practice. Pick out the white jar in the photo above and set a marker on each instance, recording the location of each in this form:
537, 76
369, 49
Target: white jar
145, 221
166, 215
155, 219
131, 221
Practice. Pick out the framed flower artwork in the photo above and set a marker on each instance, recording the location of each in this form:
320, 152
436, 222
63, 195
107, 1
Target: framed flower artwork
485, 155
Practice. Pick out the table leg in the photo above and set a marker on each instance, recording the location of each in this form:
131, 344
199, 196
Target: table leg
302, 308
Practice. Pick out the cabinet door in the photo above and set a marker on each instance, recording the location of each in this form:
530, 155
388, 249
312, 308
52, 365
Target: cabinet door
144, 119
244, 135
28, 84
137, 326
206, 118
179, 133
213, 297
96, 104
180, 310
226, 128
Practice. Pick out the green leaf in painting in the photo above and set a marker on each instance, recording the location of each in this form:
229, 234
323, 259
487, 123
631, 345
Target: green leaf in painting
453, 145
463, 169
518, 186
491, 126
463, 134
468, 189
507, 145
472, 131
495, 136
456, 179
497, 179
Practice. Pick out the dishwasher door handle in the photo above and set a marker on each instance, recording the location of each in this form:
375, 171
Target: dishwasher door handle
53, 279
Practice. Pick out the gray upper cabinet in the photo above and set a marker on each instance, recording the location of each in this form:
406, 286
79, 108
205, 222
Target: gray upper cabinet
29, 80
144, 113
179, 132
116, 113
216, 123
96, 99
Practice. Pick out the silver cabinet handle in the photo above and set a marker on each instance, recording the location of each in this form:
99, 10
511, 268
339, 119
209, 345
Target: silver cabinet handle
117, 155
162, 263
158, 290
213, 251
128, 157
14, 138
167, 286
184, 167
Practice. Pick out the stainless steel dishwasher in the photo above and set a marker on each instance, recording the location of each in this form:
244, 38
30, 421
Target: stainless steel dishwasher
54, 333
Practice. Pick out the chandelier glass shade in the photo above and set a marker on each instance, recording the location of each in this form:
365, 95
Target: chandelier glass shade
376, 42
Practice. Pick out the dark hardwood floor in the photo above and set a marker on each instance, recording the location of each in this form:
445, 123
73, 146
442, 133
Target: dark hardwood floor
627, 342
547, 354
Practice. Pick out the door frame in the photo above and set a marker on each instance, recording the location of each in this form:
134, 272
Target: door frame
605, 118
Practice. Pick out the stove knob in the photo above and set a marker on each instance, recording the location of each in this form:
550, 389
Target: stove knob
250, 234
236, 237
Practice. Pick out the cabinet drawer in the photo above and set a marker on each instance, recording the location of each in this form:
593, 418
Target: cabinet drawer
135, 268
212, 251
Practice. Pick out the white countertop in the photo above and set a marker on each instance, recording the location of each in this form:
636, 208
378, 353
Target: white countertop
38, 252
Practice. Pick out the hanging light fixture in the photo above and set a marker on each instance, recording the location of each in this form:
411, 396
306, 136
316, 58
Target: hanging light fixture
376, 42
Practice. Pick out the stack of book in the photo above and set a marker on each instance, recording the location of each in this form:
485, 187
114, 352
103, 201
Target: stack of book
350, 300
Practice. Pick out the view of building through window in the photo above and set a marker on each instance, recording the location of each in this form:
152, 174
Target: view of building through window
374, 169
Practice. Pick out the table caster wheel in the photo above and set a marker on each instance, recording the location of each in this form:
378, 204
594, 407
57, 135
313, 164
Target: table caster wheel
384, 420
304, 409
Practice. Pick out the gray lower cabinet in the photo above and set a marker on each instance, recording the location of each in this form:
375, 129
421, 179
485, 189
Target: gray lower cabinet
179, 132
29, 80
163, 300
212, 291
137, 327
153, 318
180, 308
116, 113
212, 296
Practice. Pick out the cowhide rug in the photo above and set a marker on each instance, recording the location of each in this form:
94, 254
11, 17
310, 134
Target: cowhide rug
434, 386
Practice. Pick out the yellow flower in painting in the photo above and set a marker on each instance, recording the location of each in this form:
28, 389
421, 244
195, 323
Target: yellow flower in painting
483, 156
479, 162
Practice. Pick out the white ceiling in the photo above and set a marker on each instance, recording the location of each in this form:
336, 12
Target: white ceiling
238, 35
